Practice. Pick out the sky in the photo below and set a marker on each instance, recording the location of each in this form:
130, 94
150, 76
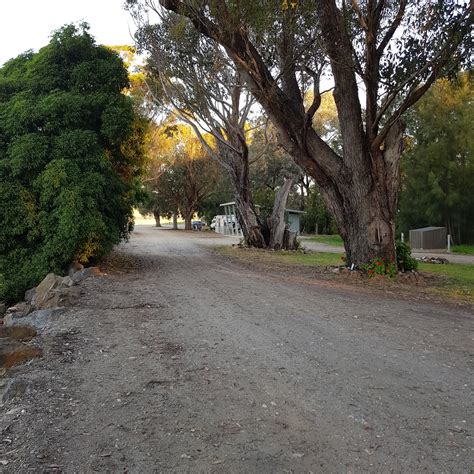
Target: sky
27, 24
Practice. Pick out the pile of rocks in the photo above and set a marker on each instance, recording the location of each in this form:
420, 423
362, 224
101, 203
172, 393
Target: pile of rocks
434, 260
43, 304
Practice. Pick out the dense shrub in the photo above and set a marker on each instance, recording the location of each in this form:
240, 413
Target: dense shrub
405, 261
70, 156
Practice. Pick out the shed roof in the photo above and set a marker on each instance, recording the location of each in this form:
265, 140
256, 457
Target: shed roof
424, 229
294, 211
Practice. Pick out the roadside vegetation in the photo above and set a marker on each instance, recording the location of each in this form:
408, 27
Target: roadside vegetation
463, 249
70, 158
456, 280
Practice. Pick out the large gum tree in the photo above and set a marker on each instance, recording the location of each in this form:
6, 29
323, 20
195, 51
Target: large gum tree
382, 56
190, 76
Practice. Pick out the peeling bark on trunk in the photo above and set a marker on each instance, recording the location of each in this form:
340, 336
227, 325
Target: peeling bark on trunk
256, 233
252, 230
280, 235
156, 215
367, 228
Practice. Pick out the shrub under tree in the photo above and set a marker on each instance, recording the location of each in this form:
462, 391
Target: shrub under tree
70, 153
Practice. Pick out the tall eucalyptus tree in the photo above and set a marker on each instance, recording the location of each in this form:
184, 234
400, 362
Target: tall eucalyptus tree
191, 76
383, 55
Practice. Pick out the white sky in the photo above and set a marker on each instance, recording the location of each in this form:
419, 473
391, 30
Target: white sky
27, 24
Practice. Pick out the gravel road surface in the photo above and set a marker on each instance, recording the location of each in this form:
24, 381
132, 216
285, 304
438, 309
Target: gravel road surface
179, 360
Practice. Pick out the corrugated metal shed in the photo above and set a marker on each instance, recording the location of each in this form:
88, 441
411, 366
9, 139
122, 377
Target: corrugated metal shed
428, 238
294, 217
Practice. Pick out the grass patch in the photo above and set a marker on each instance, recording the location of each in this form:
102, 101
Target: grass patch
466, 249
457, 281
334, 240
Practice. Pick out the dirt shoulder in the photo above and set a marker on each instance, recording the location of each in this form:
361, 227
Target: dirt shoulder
182, 360
318, 268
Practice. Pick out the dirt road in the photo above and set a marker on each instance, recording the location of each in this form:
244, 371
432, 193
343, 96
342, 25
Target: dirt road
179, 360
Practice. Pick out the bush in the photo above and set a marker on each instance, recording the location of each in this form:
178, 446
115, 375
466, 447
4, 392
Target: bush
70, 156
378, 266
405, 261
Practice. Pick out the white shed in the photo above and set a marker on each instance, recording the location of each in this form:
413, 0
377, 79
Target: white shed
294, 220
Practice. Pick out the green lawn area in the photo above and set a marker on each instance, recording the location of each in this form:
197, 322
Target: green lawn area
457, 275
288, 258
466, 249
459, 278
327, 239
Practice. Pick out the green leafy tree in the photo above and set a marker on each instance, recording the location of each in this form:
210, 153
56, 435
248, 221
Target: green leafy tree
317, 217
151, 203
70, 156
270, 166
180, 175
438, 166
222, 192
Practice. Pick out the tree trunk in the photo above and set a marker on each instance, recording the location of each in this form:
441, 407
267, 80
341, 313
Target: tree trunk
365, 207
156, 215
367, 228
237, 166
188, 217
256, 233
249, 222
280, 237
175, 221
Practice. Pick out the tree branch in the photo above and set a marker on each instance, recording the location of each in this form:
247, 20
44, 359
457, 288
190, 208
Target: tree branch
417, 91
393, 27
